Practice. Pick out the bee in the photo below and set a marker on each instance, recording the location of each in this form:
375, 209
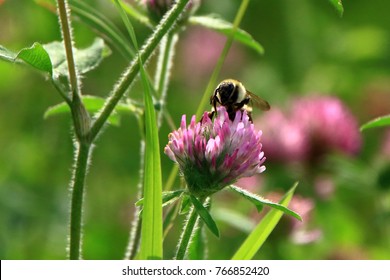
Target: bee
233, 96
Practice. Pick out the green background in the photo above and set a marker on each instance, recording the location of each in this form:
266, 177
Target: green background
308, 48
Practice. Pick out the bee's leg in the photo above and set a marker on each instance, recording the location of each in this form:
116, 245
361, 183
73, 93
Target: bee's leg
211, 114
249, 114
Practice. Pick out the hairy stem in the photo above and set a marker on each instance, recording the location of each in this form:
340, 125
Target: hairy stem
131, 72
135, 233
188, 232
164, 65
63, 13
77, 189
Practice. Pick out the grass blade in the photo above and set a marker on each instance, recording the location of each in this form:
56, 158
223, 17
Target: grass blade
258, 236
152, 224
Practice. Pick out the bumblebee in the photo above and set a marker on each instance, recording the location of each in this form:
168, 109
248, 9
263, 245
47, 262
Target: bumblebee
233, 96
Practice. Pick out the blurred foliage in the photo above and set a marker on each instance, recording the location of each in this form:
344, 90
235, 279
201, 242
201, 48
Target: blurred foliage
308, 49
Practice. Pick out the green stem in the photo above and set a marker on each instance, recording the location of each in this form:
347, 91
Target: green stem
132, 71
164, 65
77, 189
64, 15
212, 82
135, 233
187, 234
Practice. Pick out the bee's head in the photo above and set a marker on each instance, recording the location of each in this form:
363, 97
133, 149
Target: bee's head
225, 92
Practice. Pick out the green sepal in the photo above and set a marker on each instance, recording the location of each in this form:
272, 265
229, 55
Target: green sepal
205, 215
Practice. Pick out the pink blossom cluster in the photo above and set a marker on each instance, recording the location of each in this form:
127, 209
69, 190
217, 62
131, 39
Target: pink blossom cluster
314, 126
214, 154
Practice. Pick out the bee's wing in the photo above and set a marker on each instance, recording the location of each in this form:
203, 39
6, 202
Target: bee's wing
258, 101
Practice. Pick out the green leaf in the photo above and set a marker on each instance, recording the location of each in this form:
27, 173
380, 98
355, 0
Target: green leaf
36, 56
205, 215
51, 58
167, 197
93, 104
259, 202
378, 122
86, 59
338, 5
258, 236
218, 24
97, 21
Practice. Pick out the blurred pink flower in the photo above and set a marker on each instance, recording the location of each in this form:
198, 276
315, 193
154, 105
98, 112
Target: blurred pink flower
324, 186
214, 154
283, 139
252, 184
313, 127
328, 124
198, 54
301, 232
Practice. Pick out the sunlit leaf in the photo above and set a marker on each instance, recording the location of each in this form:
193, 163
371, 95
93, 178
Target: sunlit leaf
338, 5
36, 56
218, 24
92, 103
86, 59
258, 236
259, 202
51, 58
205, 215
378, 122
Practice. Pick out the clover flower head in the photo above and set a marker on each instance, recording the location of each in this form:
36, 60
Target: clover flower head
328, 124
214, 154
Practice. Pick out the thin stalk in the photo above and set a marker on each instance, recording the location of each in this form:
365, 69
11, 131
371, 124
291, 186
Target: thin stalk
188, 231
187, 234
77, 189
164, 65
135, 233
221, 59
64, 15
81, 122
132, 71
